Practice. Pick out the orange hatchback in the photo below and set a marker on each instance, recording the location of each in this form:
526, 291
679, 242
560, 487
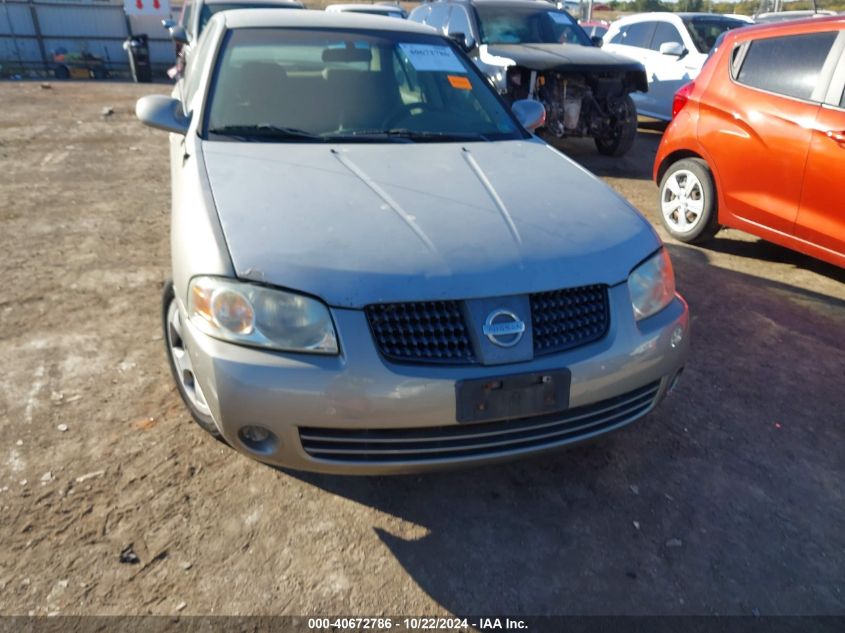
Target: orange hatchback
757, 141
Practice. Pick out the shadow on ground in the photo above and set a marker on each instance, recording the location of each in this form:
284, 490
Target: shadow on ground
705, 506
636, 164
761, 250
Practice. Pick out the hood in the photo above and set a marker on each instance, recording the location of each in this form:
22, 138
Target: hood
356, 224
565, 58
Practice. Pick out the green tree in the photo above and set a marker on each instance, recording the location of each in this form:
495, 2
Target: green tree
641, 6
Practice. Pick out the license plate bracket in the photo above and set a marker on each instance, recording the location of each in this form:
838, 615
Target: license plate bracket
513, 396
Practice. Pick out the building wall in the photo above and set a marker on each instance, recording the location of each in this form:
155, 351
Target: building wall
31, 31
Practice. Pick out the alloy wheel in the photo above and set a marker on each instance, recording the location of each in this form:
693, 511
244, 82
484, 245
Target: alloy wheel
682, 201
182, 360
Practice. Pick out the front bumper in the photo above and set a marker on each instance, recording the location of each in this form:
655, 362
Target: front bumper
384, 417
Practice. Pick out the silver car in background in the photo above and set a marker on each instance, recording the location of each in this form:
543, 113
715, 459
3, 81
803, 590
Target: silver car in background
386, 9
377, 269
195, 14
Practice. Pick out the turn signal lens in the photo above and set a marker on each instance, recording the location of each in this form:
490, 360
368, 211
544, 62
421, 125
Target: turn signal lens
201, 301
681, 98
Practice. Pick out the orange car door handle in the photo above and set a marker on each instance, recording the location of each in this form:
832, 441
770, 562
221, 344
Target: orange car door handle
839, 137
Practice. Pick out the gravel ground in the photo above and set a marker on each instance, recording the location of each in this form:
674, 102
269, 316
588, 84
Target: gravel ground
728, 499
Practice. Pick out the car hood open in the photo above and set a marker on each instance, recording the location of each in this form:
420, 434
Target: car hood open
365, 223
564, 57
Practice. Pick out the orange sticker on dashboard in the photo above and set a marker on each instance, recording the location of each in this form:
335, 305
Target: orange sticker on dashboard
461, 83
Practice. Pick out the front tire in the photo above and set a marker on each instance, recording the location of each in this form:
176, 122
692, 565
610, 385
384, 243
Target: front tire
688, 207
620, 136
180, 363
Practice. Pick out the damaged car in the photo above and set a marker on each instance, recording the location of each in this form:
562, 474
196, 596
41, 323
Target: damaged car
532, 50
401, 279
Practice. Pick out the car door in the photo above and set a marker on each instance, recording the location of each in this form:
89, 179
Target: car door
634, 40
459, 22
438, 17
184, 21
668, 71
821, 216
420, 14
756, 124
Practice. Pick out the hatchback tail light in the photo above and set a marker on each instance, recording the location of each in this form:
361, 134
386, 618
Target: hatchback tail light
681, 98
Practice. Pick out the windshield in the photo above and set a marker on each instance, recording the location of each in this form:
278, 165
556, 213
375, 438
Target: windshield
510, 24
209, 10
705, 31
365, 86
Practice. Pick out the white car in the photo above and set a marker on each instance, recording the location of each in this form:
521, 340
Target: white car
672, 46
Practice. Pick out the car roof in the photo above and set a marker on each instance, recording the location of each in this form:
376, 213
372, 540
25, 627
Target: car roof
700, 14
512, 3
252, 18
364, 6
673, 17
252, 3
786, 27
642, 17
517, 3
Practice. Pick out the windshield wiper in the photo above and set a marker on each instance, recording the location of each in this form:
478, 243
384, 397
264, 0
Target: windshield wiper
410, 135
264, 132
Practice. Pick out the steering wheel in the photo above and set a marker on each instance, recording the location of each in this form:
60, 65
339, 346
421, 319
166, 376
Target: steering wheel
405, 112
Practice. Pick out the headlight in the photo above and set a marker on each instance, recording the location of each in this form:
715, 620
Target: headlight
263, 317
652, 285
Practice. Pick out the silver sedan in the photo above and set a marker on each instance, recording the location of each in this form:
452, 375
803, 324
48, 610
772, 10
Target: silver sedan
377, 268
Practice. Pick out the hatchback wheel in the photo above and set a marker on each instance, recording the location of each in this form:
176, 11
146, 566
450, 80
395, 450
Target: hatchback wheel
180, 363
688, 201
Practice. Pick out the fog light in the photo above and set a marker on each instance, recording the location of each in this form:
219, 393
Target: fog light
677, 337
258, 439
254, 434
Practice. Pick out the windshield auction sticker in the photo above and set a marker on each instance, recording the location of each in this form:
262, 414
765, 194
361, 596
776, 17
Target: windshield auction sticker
460, 82
429, 57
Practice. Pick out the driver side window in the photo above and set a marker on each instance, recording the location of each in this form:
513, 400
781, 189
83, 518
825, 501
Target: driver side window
637, 35
194, 67
185, 18
438, 17
459, 22
665, 32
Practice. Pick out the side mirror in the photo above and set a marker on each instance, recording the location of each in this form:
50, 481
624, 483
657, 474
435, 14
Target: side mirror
163, 113
597, 41
466, 42
673, 48
531, 114
168, 24
179, 34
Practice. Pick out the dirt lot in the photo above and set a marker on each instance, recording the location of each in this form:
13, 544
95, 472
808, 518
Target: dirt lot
729, 499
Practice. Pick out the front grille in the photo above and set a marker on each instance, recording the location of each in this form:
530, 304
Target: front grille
435, 331
425, 331
563, 319
483, 439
